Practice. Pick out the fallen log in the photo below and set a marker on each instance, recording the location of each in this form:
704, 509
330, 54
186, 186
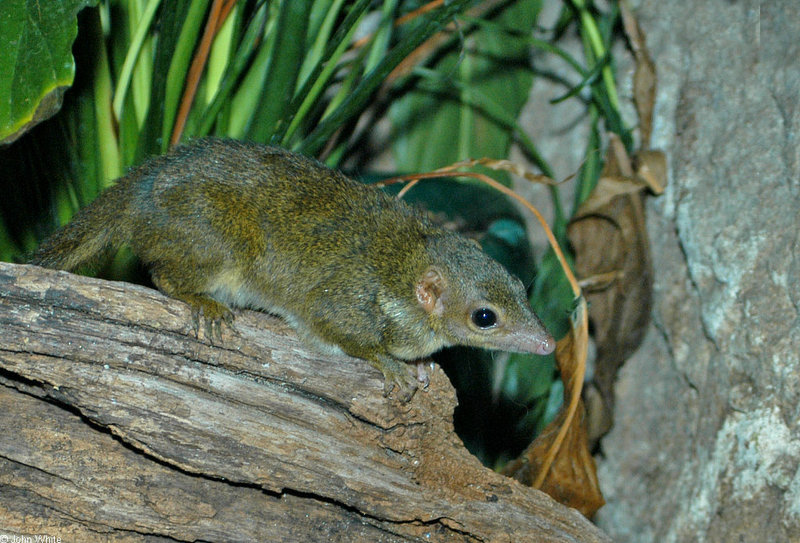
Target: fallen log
121, 425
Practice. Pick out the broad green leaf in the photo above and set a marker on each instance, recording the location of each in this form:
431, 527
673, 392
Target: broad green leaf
36, 64
488, 62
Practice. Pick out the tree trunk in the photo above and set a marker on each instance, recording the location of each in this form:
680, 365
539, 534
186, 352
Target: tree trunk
706, 443
122, 426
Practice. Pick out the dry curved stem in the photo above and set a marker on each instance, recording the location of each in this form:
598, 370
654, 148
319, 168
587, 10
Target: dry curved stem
601, 280
571, 352
574, 346
507, 166
415, 178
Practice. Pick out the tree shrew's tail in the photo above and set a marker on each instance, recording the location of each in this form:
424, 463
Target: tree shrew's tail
93, 232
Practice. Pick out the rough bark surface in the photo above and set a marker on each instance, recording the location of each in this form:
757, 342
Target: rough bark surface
120, 425
706, 443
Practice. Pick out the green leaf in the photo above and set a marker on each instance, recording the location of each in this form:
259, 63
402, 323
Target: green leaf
281, 75
190, 28
250, 86
490, 62
356, 102
35, 60
8, 248
170, 23
320, 65
224, 96
592, 165
507, 242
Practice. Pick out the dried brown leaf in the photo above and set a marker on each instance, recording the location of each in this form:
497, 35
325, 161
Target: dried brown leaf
644, 76
612, 250
609, 236
651, 168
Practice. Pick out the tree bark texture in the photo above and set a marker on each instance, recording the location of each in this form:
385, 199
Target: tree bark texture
121, 425
706, 442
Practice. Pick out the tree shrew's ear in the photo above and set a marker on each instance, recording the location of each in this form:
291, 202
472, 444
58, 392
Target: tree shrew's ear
429, 291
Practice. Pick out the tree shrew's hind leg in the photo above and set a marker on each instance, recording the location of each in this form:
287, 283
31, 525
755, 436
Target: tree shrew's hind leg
205, 309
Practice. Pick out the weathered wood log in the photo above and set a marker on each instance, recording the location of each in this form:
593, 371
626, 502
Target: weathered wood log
120, 425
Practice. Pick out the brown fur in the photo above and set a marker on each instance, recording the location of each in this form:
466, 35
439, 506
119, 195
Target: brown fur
225, 223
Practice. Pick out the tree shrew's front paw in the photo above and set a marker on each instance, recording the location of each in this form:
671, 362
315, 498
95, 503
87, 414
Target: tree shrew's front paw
212, 315
398, 374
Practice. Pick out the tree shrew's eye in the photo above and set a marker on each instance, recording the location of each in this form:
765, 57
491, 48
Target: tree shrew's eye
484, 317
